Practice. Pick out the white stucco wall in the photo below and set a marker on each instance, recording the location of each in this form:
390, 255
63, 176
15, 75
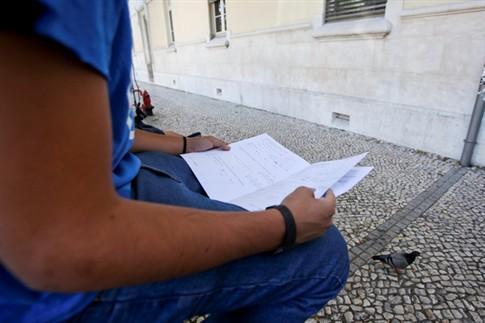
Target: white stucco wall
415, 87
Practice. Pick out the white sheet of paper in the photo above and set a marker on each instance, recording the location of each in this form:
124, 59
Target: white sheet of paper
352, 178
319, 176
250, 165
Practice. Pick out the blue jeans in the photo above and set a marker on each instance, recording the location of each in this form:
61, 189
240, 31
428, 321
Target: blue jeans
288, 287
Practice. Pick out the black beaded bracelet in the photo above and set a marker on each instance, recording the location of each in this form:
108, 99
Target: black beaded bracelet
289, 239
185, 145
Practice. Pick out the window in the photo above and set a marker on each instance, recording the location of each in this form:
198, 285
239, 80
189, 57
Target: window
217, 9
169, 16
337, 10
342, 19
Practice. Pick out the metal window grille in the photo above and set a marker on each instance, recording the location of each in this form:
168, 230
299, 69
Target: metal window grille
337, 10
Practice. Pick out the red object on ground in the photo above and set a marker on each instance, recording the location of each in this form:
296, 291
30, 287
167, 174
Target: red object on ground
147, 106
147, 102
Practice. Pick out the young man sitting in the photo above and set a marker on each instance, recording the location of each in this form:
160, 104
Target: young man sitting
83, 232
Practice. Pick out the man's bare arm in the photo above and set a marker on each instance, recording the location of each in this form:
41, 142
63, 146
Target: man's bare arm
62, 225
147, 141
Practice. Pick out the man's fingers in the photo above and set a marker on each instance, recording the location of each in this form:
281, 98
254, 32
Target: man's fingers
329, 200
329, 195
217, 143
305, 190
224, 146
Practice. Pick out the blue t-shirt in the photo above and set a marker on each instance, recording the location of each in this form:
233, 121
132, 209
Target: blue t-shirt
98, 32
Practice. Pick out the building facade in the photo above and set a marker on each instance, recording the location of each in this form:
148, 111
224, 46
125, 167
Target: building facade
404, 71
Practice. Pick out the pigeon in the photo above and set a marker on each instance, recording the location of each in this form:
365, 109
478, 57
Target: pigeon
398, 260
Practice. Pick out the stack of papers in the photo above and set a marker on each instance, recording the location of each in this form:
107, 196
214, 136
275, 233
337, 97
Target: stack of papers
259, 172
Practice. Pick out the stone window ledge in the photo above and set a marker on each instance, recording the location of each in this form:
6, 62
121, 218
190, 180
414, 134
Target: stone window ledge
446, 9
362, 28
217, 42
171, 49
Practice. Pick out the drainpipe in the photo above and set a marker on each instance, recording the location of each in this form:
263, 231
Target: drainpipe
474, 127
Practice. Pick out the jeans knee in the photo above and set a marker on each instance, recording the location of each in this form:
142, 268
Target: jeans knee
329, 255
337, 241
339, 251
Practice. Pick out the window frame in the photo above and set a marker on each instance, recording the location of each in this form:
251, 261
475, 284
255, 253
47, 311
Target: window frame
169, 23
213, 17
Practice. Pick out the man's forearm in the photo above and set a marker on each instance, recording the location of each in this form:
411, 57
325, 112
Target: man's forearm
147, 141
136, 242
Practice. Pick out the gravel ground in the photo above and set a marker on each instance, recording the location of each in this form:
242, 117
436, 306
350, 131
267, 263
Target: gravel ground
450, 273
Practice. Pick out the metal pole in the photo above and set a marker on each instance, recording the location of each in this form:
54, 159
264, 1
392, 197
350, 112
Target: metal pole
475, 122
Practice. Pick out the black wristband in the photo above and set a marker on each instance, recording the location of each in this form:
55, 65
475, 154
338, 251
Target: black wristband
289, 239
185, 145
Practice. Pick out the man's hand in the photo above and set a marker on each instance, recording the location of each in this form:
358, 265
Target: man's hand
312, 216
197, 144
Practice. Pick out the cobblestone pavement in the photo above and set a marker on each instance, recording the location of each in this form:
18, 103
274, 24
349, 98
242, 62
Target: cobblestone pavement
445, 283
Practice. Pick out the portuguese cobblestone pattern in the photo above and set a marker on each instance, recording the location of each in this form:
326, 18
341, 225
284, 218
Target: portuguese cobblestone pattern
445, 284
384, 233
411, 201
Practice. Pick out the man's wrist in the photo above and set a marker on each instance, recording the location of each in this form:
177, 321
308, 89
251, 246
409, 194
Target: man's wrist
189, 140
278, 224
289, 238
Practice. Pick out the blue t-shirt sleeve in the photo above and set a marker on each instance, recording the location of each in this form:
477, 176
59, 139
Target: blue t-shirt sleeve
98, 33
84, 27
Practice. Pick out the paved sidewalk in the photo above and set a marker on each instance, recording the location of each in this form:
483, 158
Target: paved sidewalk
410, 201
